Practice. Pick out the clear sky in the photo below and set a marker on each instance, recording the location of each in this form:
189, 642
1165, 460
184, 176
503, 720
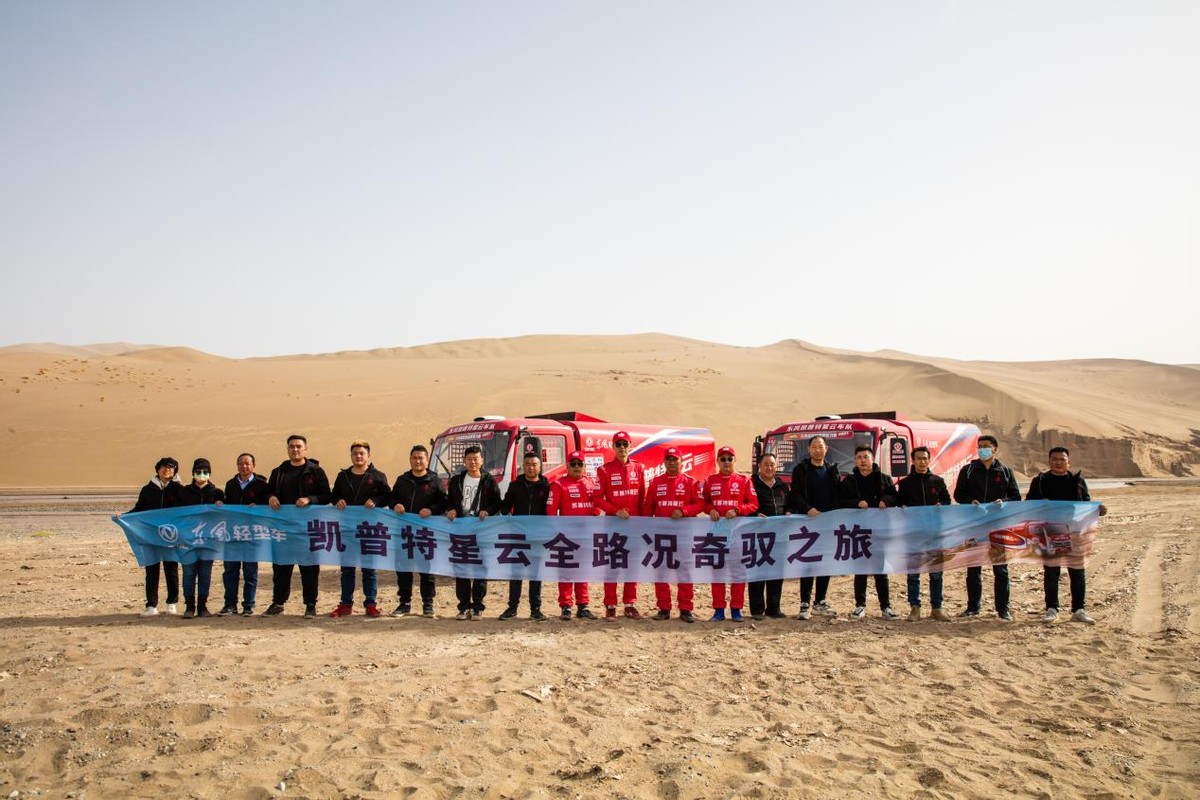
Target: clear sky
979, 180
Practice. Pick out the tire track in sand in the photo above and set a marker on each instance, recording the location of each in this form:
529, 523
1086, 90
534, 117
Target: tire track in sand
1148, 613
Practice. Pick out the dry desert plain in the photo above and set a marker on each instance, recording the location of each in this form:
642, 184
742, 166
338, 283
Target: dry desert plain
97, 702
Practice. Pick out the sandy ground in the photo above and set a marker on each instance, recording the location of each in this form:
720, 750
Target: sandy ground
100, 703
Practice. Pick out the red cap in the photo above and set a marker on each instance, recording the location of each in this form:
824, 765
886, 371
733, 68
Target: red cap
574, 455
622, 436
670, 452
726, 451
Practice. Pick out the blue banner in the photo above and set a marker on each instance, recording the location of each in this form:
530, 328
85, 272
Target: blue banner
597, 549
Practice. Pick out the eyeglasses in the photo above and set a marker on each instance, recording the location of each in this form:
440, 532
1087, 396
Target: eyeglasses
726, 459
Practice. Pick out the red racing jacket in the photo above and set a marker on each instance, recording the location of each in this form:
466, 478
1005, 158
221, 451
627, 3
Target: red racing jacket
665, 494
571, 497
620, 486
723, 492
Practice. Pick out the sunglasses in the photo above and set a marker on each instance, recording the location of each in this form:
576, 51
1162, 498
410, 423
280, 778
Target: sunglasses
574, 463
726, 459
620, 444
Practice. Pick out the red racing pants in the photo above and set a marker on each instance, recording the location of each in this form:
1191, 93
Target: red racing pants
662, 594
565, 591
628, 597
737, 595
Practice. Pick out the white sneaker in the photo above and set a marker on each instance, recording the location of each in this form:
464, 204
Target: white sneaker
805, 611
1083, 616
889, 614
150, 611
859, 612
171, 609
824, 610
1050, 616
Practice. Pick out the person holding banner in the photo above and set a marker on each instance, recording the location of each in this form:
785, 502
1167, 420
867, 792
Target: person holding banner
247, 488
986, 480
299, 481
814, 489
922, 488
571, 496
1059, 483
197, 576
359, 484
765, 596
526, 496
674, 495
473, 493
620, 491
730, 495
419, 492
162, 491
867, 487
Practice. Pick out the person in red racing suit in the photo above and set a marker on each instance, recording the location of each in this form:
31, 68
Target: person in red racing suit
571, 496
676, 496
620, 491
728, 494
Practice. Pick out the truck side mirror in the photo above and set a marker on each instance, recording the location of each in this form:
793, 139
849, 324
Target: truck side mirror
898, 457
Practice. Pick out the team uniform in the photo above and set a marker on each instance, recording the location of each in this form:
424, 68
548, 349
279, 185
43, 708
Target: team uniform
620, 486
1072, 486
416, 495
251, 493
356, 490
526, 498
571, 497
873, 488
665, 494
986, 485
724, 493
289, 483
923, 489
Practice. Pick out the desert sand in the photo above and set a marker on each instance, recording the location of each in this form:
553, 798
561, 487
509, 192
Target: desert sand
98, 702
101, 416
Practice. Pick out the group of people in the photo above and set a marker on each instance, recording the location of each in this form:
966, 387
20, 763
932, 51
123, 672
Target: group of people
622, 487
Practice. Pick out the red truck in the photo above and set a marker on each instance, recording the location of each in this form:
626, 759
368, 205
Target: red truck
890, 436
552, 436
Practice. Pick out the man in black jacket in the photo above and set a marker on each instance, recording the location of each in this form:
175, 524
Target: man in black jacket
247, 488
922, 488
359, 484
417, 491
299, 481
473, 493
986, 480
814, 489
867, 487
1061, 484
526, 496
772, 494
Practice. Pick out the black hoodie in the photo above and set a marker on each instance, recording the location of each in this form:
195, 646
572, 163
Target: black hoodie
154, 495
206, 495
356, 490
420, 493
874, 487
290, 483
526, 497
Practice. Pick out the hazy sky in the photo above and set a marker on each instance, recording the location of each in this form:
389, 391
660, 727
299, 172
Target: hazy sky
981, 180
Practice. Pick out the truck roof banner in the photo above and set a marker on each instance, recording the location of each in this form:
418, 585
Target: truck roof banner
694, 550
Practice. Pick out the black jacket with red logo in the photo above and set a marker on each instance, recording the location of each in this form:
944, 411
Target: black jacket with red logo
289, 483
356, 490
922, 489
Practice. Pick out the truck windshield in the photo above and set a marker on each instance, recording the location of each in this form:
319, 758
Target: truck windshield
447, 456
792, 448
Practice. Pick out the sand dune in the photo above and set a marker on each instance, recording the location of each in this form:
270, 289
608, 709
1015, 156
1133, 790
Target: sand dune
103, 418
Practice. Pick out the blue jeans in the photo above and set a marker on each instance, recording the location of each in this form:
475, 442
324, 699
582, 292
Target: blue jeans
935, 589
370, 586
198, 572
229, 577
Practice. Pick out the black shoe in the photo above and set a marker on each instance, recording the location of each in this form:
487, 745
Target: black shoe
758, 617
247, 612
536, 615
584, 613
508, 613
566, 613
776, 615
227, 611
273, 609
686, 616
189, 611
202, 610
662, 614
402, 610
310, 611
968, 613
427, 610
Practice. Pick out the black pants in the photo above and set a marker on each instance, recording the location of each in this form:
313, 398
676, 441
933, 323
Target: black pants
765, 596
806, 587
281, 583
470, 593
171, 569
1050, 576
881, 588
404, 582
535, 595
975, 587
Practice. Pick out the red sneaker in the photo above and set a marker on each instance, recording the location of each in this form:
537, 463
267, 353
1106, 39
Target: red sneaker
610, 613
342, 610
372, 611
632, 612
